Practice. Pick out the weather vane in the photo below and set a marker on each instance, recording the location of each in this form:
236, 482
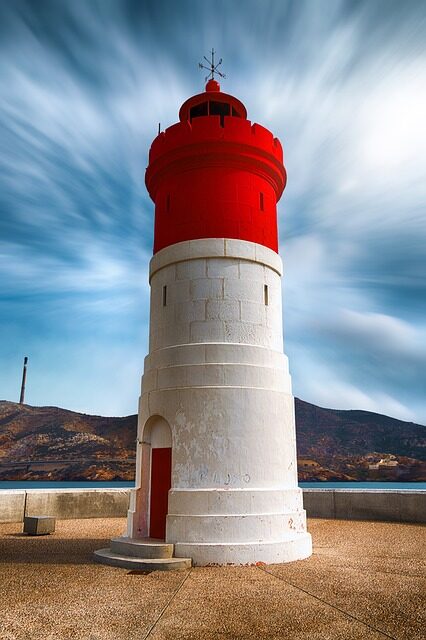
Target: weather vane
212, 68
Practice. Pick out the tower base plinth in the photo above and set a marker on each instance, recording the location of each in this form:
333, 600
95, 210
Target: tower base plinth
238, 526
297, 547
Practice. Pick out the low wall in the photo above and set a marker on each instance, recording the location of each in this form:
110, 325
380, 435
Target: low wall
64, 504
12, 505
67, 504
360, 504
345, 504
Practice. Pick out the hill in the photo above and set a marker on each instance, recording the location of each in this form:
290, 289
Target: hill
39, 443
350, 442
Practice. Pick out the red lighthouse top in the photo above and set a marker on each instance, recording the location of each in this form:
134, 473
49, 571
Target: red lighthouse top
214, 174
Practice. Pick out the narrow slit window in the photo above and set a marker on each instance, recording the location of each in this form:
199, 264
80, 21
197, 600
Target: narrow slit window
168, 202
261, 202
266, 294
164, 295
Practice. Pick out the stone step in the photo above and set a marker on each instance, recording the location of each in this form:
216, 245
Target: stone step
146, 548
106, 556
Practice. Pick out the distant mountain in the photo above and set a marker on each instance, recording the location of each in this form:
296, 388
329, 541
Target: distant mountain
349, 442
38, 443
356, 432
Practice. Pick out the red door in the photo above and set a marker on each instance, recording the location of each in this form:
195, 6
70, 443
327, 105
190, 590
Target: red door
161, 481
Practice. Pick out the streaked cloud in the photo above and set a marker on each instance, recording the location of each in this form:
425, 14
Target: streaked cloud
83, 87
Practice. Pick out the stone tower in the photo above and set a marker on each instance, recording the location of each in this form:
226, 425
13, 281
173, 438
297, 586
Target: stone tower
216, 456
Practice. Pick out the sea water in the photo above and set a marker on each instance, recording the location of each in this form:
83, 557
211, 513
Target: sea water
28, 484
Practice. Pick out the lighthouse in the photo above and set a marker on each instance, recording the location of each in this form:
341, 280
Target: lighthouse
216, 474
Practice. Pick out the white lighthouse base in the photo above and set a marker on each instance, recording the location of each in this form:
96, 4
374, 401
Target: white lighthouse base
296, 547
238, 526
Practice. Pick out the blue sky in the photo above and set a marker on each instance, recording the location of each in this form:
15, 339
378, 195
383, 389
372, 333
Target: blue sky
83, 87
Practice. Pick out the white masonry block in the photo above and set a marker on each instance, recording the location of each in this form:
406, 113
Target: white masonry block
222, 310
222, 268
191, 269
207, 288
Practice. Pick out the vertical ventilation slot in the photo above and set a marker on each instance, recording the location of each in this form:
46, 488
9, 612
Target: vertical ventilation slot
261, 202
164, 295
265, 294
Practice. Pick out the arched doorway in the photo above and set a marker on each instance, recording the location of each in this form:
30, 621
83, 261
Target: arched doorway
156, 473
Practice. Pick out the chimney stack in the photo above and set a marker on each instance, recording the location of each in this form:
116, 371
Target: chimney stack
24, 377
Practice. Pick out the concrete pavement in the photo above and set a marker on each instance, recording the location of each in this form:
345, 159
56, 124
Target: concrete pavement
365, 580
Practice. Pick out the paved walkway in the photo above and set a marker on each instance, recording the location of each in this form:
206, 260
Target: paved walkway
365, 580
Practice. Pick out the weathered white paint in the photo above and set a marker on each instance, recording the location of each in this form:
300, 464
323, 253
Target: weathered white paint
157, 433
217, 374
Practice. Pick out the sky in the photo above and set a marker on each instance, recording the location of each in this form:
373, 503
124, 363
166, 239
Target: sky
83, 86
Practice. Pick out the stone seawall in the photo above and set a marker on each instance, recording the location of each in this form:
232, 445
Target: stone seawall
345, 504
